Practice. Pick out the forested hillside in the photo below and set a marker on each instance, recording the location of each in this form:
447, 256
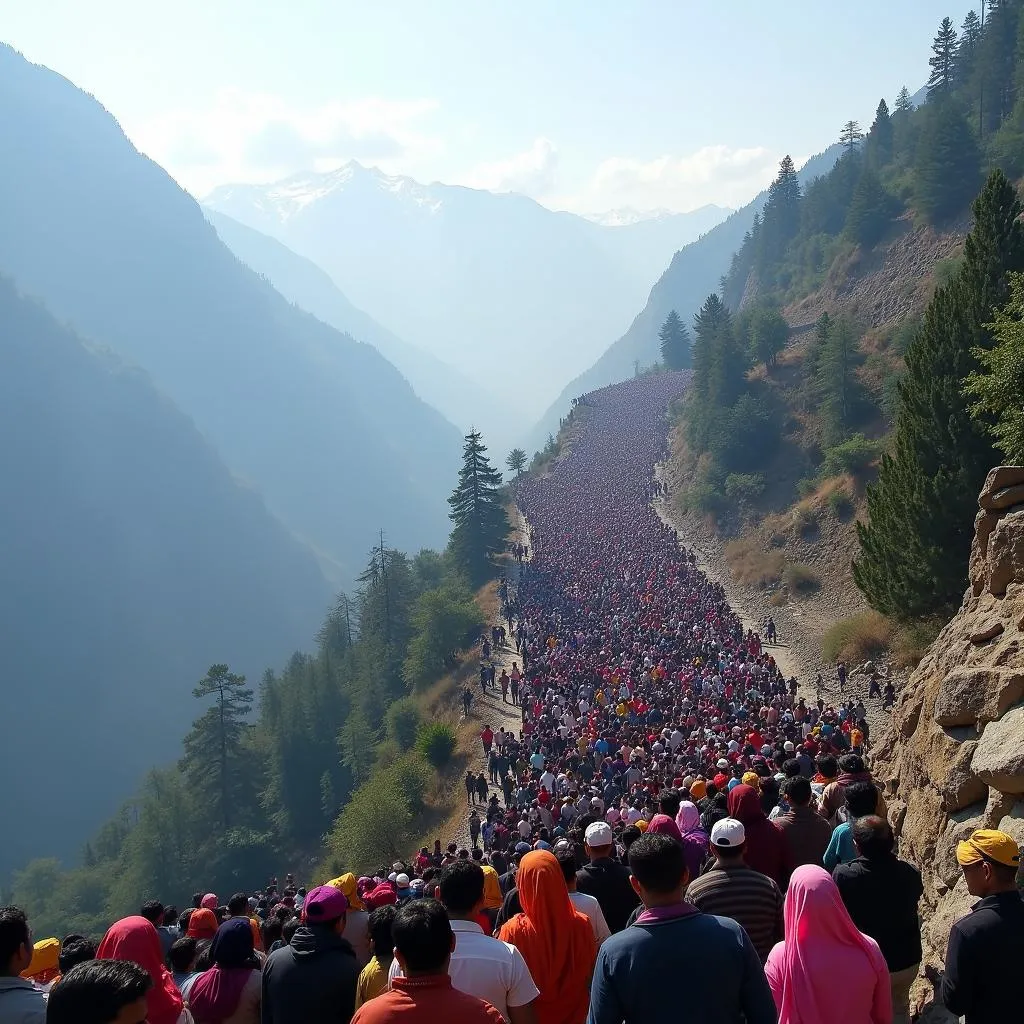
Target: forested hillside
850, 338
130, 560
323, 427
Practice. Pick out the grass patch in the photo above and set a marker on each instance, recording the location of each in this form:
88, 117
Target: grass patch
750, 564
804, 519
911, 641
801, 578
778, 598
863, 637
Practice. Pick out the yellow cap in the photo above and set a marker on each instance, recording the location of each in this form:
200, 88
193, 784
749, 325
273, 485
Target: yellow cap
642, 825
751, 779
988, 844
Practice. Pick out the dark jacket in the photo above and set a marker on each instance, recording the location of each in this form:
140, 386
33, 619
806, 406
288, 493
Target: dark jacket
766, 849
881, 895
608, 882
807, 834
983, 960
311, 981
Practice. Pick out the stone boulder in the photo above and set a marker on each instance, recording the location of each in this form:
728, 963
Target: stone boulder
952, 759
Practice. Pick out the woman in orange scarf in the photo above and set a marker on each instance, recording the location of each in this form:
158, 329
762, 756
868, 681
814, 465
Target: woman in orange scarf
556, 940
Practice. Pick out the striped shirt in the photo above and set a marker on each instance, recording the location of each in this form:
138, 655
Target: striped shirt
751, 899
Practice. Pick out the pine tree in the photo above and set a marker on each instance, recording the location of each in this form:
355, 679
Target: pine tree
809, 370
851, 135
781, 219
481, 524
215, 760
943, 59
767, 332
871, 209
710, 322
675, 342
880, 138
967, 48
997, 58
947, 161
914, 549
516, 461
904, 104
837, 382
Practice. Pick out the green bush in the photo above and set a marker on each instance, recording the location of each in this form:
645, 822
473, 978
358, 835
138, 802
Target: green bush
863, 637
436, 742
840, 503
853, 456
800, 578
744, 487
402, 722
443, 620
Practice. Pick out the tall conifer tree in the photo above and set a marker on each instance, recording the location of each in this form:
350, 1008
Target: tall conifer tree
481, 524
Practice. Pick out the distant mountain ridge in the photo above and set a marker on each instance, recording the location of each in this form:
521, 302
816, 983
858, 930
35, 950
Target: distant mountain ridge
324, 427
490, 283
693, 274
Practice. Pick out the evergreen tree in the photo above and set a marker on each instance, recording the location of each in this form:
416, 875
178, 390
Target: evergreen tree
871, 209
967, 48
675, 342
766, 331
947, 161
478, 513
997, 57
709, 324
809, 371
781, 218
216, 762
851, 135
880, 138
943, 59
516, 461
904, 104
837, 382
914, 549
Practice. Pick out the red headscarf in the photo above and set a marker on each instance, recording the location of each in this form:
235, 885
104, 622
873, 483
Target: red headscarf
556, 940
135, 939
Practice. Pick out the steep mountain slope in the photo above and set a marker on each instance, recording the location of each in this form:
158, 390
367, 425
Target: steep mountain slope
474, 277
693, 274
325, 428
131, 561
301, 281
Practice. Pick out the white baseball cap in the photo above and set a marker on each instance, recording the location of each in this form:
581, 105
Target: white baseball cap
723, 763
403, 880
788, 746
599, 833
728, 833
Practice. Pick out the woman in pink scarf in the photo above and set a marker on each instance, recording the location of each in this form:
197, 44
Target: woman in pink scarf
694, 838
826, 971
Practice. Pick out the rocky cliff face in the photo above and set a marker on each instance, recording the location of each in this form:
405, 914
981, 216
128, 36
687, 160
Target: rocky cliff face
953, 759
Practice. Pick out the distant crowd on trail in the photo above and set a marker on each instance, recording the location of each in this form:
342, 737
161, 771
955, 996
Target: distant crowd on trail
673, 832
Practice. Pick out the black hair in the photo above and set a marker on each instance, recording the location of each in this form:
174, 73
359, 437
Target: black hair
379, 926
853, 764
630, 834
827, 765
96, 992
872, 835
566, 858
186, 916
153, 911
422, 933
197, 899
74, 950
271, 931
203, 960
861, 799
14, 933
798, 790
791, 768
182, 953
289, 928
238, 905
658, 863
461, 886
170, 915
669, 801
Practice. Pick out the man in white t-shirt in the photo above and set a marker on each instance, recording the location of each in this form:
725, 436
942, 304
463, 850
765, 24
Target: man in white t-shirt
547, 780
580, 900
481, 966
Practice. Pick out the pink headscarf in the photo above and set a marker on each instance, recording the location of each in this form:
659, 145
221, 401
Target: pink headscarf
822, 947
209, 901
687, 818
663, 825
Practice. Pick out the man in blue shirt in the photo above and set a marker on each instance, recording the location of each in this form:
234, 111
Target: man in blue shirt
638, 969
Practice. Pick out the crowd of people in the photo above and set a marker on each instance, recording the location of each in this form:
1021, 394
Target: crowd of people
673, 830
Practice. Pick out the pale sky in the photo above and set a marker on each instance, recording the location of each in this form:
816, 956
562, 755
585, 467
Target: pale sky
586, 105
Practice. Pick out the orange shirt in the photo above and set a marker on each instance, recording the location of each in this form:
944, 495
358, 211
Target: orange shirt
426, 1000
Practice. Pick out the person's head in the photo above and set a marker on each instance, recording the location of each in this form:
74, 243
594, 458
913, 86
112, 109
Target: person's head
100, 992
238, 905
990, 860
197, 899
798, 791
271, 930
851, 764
183, 954
791, 768
599, 840
461, 888
185, 919
668, 802
326, 907
153, 911
204, 961
288, 930
15, 942
828, 767
658, 868
170, 916
872, 836
202, 924
861, 799
233, 945
566, 857
423, 938
379, 927
75, 950
728, 840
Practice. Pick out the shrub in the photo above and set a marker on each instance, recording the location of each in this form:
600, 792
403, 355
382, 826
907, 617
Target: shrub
702, 498
778, 598
436, 742
800, 578
804, 519
912, 641
863, 637
751, 564
744, 487
853, 456
841, 504
806, 486
402, 722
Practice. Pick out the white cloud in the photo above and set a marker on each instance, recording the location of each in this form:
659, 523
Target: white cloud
714, 174
531, 172
245, 137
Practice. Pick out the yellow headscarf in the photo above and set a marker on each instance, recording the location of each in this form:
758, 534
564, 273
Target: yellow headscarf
347, 884
45, 961
752, 779
492, 888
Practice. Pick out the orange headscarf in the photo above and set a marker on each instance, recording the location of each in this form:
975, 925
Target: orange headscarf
556, 940
202, 924
135, 939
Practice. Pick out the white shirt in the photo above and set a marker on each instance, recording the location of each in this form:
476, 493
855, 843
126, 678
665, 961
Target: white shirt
547, 780
486, 968
588, 905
